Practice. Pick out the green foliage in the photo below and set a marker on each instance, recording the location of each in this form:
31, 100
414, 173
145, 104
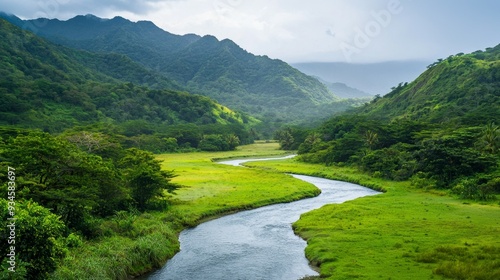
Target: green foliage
464, 262
461, 89
448, 158
219, 69
39, 240
490, 139
145, 178
60, 176
475, 188
395, 162
399, 150
438, 130
94, 179
217, 142
290, 138
53, 88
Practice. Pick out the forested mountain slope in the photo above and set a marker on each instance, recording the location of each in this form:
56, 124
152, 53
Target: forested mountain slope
463, 88
51, 87
439, 131
205, 65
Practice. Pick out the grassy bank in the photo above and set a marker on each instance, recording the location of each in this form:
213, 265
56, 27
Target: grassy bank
210, 189
405, 233
133, 244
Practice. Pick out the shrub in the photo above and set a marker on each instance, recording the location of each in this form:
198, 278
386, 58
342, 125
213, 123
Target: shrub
471, 188
39, 241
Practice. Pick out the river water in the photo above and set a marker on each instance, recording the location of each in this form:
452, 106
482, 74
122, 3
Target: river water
254, 244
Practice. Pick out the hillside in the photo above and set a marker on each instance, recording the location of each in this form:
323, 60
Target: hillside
54, 88
463, 88
204, 65
440, 131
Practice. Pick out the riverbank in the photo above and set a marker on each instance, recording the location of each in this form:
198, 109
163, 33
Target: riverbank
254, 244
133, 245
406, 233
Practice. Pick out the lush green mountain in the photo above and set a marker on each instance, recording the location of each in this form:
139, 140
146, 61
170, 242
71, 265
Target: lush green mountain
53, 88
440, 131
461, 88
204, 65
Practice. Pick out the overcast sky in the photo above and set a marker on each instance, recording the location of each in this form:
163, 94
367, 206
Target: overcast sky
305, 31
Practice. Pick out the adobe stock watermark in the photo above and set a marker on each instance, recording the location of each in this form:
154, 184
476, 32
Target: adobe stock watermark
363, 36
11, 220
225, 7
46, 9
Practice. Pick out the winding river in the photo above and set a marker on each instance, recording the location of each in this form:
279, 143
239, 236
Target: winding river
253, 244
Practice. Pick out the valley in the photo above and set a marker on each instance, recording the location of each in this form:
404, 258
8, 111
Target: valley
112, 132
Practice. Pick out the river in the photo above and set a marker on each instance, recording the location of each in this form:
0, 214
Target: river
254, 244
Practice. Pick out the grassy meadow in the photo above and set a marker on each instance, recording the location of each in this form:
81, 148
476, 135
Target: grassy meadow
405, 233
210, 188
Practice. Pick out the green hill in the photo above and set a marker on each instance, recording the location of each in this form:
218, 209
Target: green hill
463, 88
203, 65
53, 88
440, 130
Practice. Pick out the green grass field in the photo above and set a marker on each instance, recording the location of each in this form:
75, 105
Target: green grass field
405, 233
211, 189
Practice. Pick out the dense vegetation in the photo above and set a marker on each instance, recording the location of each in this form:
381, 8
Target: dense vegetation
94, 180
80, 179
47, 87
124, 242
204, 65
95, 171
440, 131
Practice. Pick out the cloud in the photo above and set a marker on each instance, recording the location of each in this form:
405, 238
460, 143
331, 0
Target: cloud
297, 30
64, 9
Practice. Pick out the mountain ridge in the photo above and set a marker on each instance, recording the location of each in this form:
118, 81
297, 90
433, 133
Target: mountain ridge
203, 65
51, 87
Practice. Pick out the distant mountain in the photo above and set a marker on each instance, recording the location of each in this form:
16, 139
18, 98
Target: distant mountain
204, 65
344, 91
463, 89
51, 87
372, 78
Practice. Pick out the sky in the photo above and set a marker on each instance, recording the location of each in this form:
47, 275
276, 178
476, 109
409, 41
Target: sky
355, 31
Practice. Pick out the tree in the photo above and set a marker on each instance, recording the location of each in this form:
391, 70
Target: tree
447, 159
285, 139
145, 178
309, 143
371, 139
212, 143
490, 138
232, 140
89, 141
39, 241
61, 177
